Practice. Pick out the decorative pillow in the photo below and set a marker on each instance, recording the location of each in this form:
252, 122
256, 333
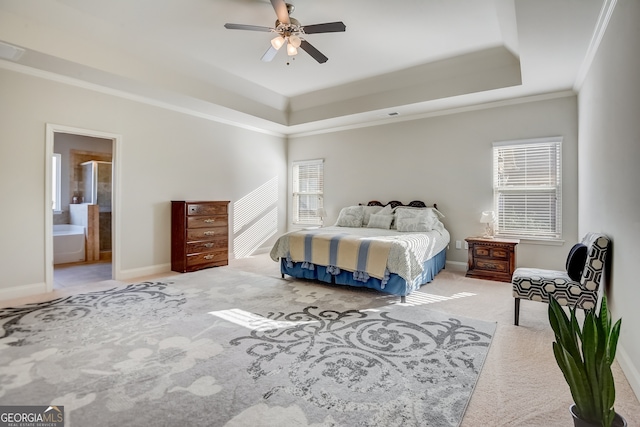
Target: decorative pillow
386, 210
351, 216
380, 221
576, 260
415, 219
368, 210
431, 211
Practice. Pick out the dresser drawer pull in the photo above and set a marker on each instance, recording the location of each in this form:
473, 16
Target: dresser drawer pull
208, 245
209, 233
209, 220
208, 257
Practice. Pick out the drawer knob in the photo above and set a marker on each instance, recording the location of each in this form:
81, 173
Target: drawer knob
208, 245
208, 257
209, 233
209, 220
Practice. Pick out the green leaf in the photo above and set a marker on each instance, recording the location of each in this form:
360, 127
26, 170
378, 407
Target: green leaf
576, 379
613, 341
565, 335
591, 362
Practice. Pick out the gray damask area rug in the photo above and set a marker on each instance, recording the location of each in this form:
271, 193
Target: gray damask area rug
229, 348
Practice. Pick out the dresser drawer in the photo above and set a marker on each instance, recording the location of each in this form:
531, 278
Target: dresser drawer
206, 209
207, 246
206, 221
493, 265
207, 258
490, 252
194, 234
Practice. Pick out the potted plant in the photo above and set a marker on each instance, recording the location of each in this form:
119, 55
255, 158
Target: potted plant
584, 356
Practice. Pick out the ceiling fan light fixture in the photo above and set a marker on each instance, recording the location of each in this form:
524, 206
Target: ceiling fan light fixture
291, 50
295, 41
277, 42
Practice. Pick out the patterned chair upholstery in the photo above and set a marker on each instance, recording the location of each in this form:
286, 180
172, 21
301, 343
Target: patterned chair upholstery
537, 285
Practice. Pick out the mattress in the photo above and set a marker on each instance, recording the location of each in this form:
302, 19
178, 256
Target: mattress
407, 254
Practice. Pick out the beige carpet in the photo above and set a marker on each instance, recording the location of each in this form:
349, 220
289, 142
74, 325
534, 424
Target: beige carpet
520, 383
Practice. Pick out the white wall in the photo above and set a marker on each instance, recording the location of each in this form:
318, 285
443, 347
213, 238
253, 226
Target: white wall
446, 160
609, 152
164, 156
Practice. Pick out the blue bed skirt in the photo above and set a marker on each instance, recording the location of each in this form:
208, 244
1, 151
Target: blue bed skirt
396, 284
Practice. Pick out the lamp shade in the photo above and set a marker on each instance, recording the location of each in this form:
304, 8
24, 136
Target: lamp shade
321, 212
277, 42
487, 217
291, 50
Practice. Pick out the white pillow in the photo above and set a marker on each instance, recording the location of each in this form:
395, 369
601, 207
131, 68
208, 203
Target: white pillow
351, 216
368, 210
380, 221
431, 211
415, 219
388, 210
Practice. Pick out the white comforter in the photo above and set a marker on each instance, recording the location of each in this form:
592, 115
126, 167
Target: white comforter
408, 252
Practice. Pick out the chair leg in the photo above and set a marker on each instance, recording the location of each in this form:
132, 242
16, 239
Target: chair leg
516, 318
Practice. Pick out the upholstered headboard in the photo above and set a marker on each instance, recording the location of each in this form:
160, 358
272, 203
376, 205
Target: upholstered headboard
395, 203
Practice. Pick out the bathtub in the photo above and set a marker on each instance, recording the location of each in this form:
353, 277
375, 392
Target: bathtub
68, 243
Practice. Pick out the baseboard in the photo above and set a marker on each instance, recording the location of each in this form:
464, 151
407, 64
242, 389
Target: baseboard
631, 371
456, 266
23, 291
144, 271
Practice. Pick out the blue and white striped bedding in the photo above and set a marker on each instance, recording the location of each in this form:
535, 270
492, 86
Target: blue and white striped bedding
363, 249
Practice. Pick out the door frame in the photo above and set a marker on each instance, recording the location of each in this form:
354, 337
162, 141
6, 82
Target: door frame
51, 130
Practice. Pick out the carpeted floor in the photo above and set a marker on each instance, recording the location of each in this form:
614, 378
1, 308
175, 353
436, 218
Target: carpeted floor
520, 384
231, 348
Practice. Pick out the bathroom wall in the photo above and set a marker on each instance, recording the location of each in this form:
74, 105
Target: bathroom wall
73, 150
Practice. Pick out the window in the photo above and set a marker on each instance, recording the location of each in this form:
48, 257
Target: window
308, 188
527, 188
56, 168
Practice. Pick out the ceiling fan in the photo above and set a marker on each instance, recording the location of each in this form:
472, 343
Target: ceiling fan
291, 33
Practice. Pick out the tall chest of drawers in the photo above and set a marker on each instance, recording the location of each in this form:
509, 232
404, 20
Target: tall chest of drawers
199, 235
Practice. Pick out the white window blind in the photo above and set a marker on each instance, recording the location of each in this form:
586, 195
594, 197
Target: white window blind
308, 189
527, 188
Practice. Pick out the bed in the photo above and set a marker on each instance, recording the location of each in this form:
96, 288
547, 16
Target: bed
392, 248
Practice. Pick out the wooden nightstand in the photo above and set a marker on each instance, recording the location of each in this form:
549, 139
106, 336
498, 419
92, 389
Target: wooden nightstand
492, 258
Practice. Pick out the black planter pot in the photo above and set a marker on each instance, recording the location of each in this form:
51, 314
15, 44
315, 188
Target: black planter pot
618, 421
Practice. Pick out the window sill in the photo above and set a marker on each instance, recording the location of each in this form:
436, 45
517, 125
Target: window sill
534, 241
57, 212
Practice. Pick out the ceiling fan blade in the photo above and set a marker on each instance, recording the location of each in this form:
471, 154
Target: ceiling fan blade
246, 27
281, 10
269, 54
315, 53
329, 27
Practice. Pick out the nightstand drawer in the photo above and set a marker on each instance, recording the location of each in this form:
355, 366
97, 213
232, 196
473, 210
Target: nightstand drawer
493, 265
489, 252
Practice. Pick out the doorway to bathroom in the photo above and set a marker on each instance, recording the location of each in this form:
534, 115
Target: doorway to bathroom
80, 228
